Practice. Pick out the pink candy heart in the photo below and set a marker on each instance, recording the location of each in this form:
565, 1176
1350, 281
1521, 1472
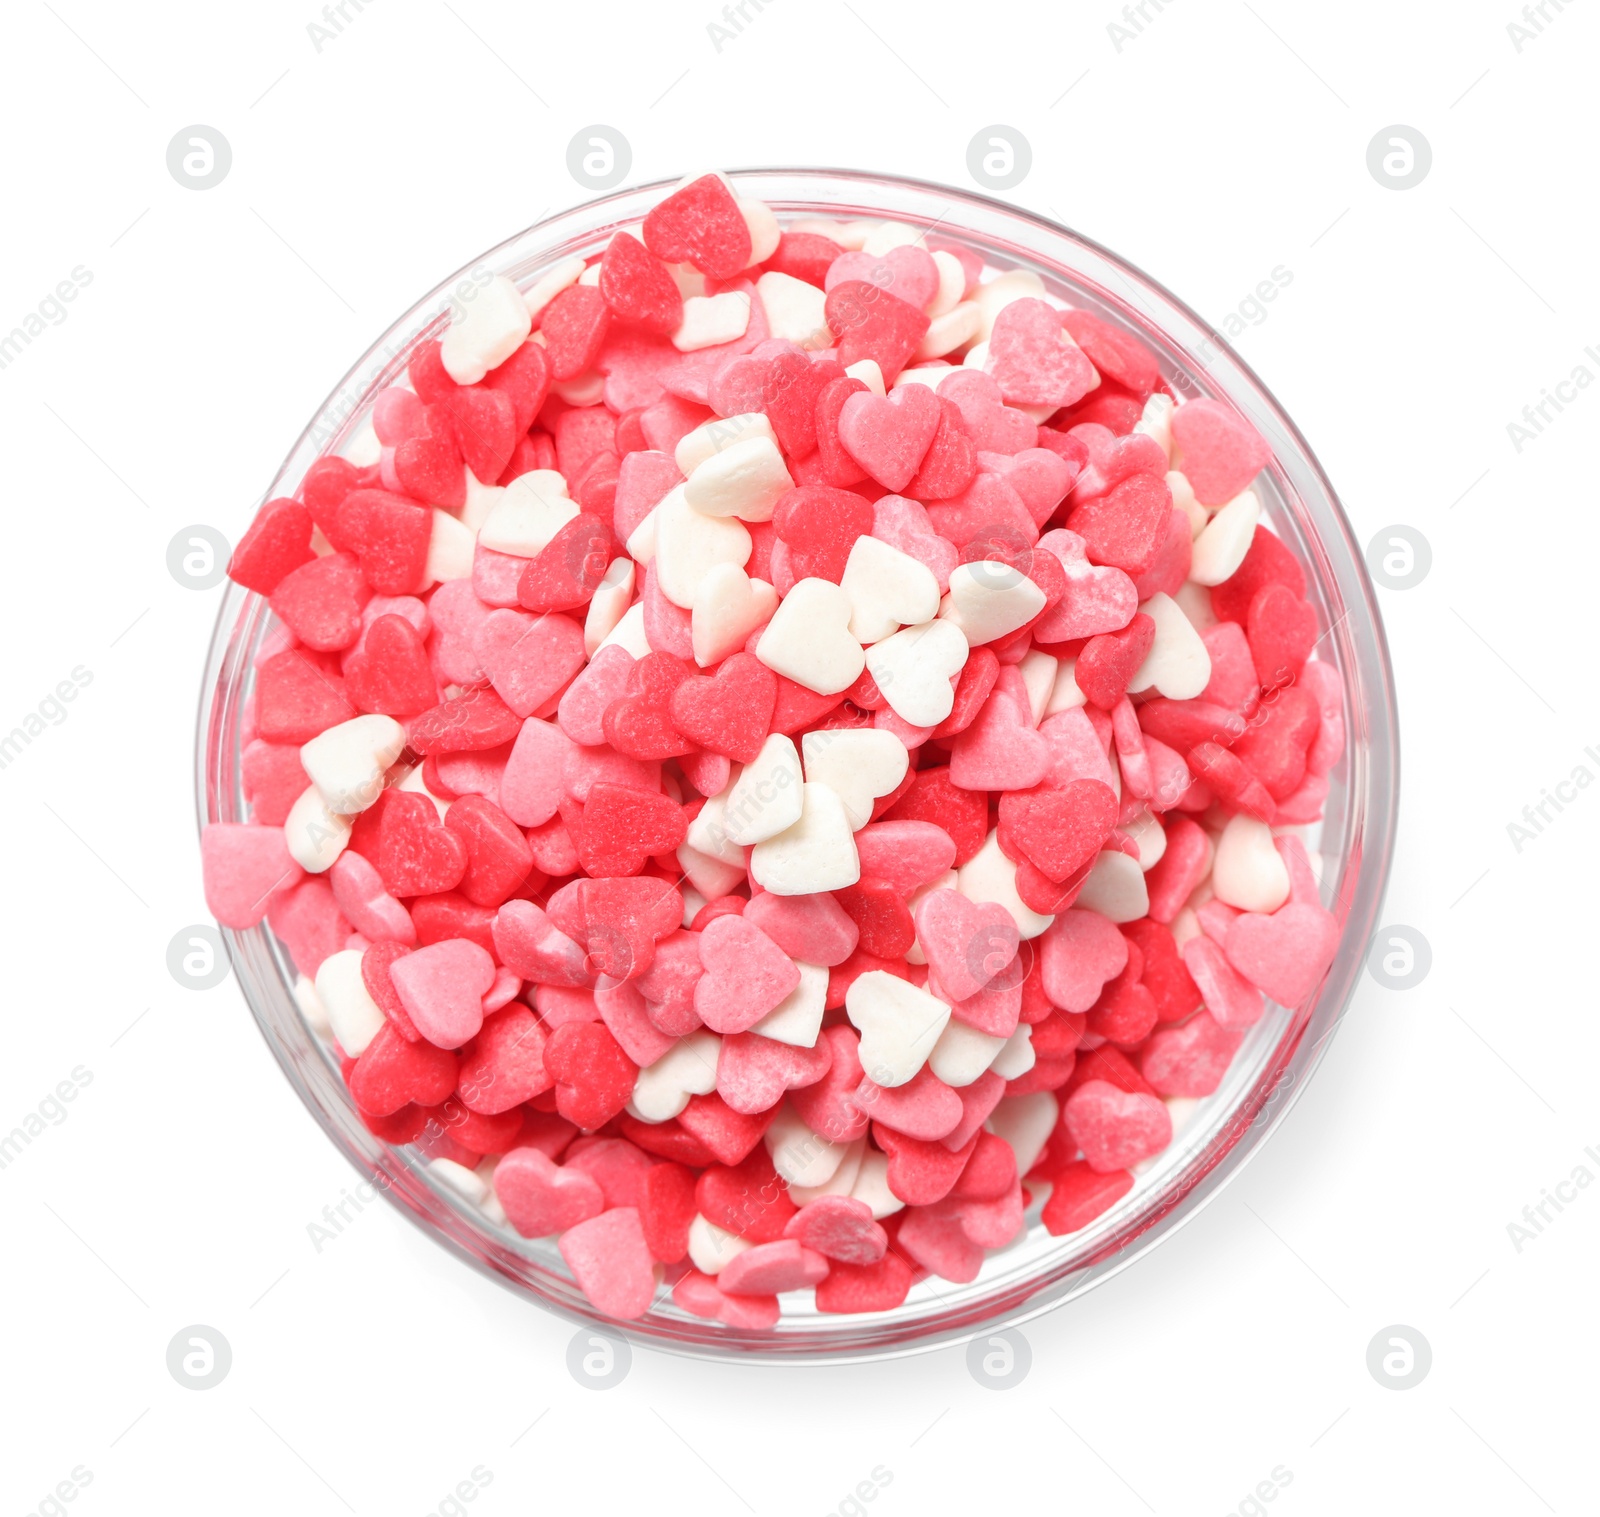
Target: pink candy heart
1116, 1129
540, 1197
746, 975
924, 1107
531, 945
888, 437
584, 701
840, 1228
1234, 1003
442, 987
967, 943
528, 658
1032, 359
906, 854
907, 272
993, 426
906, 525
1082, 950
243, 865
532, 784
1001, 750
753, 1072
1285, 954
668, 985
769, 1269
372, 911
1099, 598
811, 929
624, 1010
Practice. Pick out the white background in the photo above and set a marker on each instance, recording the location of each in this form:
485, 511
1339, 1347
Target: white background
1223, 140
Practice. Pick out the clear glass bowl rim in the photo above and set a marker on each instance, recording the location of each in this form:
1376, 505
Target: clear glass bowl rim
1337, 578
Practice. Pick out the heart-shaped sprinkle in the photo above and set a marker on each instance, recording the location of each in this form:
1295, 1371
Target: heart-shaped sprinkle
442, 988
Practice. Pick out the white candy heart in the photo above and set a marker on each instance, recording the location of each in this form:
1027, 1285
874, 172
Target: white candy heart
708, 832
545, 289
711, 320
868, 372
486, 331
1149, 836
951, 330
839, 1183
858, 763
795, 310
747, 479
688, 1068
529, 512
314, 835
872, 1186
952, 283
1038, 670
727, 609
808, 639
688, 545
1177, 665
1249, 872
1064, 693
990, 876
612, 597
353, 1015
888, 590
963, 1053
1026, 1122
797, 1019
765, 799
711, 1248
1222, 544
765, 233
347, 762
913, 670
450, 548
1017, 1057
899, 1025
711, 437
1183, 498
1156, 421
711, 877
628, 634
799, 1155
817, 853
641, 543
988, 600
1115, 888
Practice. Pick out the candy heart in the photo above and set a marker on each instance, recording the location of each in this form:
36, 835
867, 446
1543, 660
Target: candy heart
347, 762
442, 988
321, 602
920, 1173
906, 272
688, 545
904, 524
1220, 548
747, 975
869, 322
1233, 1001
505, 1064
1058, 831
371, 910
640, 723
701, 224
729, 606
1116, 1129
967, 943
542, 1198
816, 853
625, 919
746, 1199
1218, 449
688, 1068
485, 426
906, 853
1081, 951
429, 466
765, 800
1125, 526
889, 436
992, 425
913, 669
797, 1019
611, 1262
1110, 660
626, 1014
1033, 360
962, 1054
1001, 750
527, 658
278, 541
567, 571
988, 600
416, 853
820, 525
1282, 630
1248, 872
728, 712
840, 1228
622, 827
1189, 1060
858, 764
531, 784
990, 876
1177, 665
637, 288
1285, 954
754, 1071
811, 929
1098, 598
389, 534
924, 1107
242, 865
390, 672
888, 589
808, 639
747, 479
899, 1025
668, 985
583, 703
527, 514
594, 1077
392, 1072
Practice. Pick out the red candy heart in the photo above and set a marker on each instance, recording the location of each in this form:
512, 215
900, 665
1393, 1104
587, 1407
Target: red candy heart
430, 467
391, 673
278, 541
1119, 356
746, 1199
321, 601
869, 322
640, 723
624, 919
1109, 660
296, 698
474, 719
417, 853
1059, 831
729, 711
566, 572
1282, 630
700, 224
499, 863
504, 1065
948, 466
593, 1076
621, 828
1124, 527
574, 327
393, 1072
820, 524
638, 288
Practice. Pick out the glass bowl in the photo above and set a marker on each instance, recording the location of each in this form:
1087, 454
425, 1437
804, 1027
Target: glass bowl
1036, 1272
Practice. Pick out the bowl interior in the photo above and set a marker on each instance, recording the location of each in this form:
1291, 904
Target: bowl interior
1214, 1135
